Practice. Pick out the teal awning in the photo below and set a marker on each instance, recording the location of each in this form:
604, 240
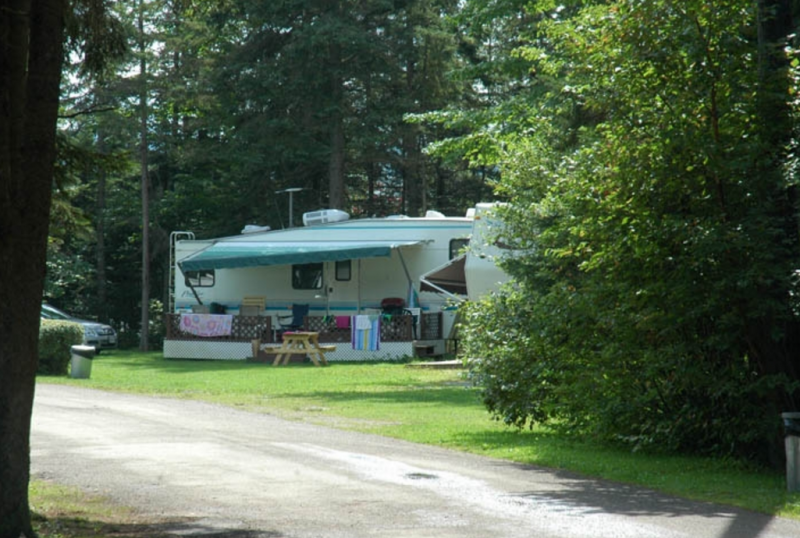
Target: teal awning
235, 254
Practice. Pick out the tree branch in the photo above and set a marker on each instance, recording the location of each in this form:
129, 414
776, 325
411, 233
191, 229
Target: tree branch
85, 112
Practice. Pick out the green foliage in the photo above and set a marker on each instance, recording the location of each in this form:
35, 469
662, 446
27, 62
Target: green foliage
648, 160
241, 100
157, 329
95, 35
287, 73
656, 295
55, 340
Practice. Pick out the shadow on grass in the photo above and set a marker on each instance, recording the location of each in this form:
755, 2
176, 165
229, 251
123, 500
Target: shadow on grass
155, 361
348, 383
592, 496
441, 392
445, 397
68, 527
588, 495
596, 496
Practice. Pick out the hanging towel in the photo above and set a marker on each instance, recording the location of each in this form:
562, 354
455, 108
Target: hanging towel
363, 322
207, 325
365, 333
342, 322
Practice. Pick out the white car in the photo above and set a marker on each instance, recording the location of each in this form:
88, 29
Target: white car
97, 335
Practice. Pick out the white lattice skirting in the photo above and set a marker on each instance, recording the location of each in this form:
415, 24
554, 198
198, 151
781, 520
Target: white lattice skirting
197, 349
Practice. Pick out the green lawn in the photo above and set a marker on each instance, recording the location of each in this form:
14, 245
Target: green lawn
435, 407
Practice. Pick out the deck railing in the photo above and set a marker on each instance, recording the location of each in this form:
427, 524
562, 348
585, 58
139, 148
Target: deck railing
431, 326
393, 328
245, 328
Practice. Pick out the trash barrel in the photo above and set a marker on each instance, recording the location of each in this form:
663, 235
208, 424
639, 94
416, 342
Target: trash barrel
81, 362
791, 431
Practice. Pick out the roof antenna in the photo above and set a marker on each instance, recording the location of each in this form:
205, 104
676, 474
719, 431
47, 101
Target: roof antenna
291, 192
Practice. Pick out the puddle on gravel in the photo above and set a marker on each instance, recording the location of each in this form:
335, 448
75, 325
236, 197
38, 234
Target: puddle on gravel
421, 476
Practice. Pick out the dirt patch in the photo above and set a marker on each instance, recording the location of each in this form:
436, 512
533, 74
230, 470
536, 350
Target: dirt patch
60, 512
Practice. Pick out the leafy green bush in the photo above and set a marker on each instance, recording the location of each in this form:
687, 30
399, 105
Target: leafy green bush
536, 361
657, 298
157, 329
55, 340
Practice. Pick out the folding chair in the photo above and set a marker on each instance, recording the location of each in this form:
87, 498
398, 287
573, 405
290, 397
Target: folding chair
296, 320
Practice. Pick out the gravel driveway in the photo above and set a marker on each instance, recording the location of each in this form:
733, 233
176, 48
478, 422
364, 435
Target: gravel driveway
225, 472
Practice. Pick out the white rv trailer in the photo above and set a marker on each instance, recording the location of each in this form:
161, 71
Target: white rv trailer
336, 266
473, 273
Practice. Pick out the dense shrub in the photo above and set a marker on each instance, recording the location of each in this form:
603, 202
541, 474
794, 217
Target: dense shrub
538, 362
656, 249
55, 340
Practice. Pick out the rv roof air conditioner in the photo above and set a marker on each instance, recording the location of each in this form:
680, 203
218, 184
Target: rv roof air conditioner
254, 228
324, 216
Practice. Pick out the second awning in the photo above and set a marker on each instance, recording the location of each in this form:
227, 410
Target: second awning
448, 278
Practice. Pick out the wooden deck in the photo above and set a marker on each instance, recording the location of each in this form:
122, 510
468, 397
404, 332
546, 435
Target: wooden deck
396, 338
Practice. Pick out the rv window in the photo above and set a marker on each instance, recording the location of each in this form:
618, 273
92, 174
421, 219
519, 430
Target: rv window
456, 246
307, 276
199, 279
343, 270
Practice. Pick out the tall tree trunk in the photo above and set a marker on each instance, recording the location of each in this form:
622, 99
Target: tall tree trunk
413, 183
144, 333
337, 141
336, 165
414, 186
100, 234
776, 356
31, 53
775, 27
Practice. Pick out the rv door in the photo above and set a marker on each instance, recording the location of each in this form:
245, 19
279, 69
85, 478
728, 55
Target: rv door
341, 286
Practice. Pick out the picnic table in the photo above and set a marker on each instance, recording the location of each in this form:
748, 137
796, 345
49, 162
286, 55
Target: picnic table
296, 342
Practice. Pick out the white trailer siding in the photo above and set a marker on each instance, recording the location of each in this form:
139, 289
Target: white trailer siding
371, 279
481, 273
386, 259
